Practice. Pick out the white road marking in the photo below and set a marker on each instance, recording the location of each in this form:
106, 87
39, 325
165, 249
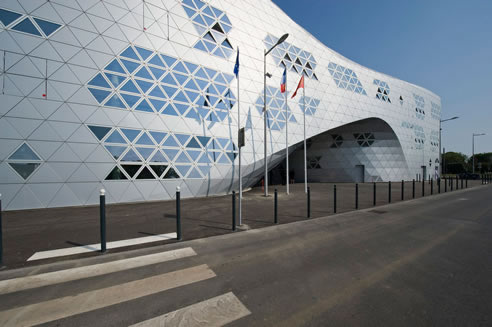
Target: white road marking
217, 311
62, 276
97, 247
462, 199
39, 313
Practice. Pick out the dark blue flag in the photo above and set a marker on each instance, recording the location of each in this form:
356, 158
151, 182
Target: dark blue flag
236, 67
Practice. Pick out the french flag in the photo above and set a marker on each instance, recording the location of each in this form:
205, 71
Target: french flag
283, 85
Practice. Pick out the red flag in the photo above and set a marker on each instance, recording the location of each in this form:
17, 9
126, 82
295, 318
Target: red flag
300, 86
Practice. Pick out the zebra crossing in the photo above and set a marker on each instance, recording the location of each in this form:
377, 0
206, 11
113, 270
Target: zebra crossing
218, 310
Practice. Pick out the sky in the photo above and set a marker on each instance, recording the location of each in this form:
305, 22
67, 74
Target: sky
444, 46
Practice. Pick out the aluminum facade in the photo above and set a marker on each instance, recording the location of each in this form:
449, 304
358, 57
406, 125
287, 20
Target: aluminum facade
139, 97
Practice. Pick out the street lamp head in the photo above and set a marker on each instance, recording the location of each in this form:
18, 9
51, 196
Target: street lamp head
282, 39
453, 118
481, 134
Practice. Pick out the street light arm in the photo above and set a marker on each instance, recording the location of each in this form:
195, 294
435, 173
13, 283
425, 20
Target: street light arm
280, 41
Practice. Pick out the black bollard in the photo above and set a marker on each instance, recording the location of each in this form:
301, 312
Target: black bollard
389, 192
439, 185
356, 196
466, 183
102, 219
1, 234
334, 199
457, 185
233, 211
275, 208
402, 190
432, 186
178, 213
413, 188
451, 183
423, 189
309, 202
445, 184
461, 182
374, 195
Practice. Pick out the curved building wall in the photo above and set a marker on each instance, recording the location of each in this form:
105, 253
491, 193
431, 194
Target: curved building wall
139, 97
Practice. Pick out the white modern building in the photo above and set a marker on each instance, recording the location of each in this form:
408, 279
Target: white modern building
139, 97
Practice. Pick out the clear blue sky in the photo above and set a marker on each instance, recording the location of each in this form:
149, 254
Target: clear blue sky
442, 45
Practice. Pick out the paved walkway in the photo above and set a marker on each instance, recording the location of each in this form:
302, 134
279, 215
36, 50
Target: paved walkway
31, 231
416, 263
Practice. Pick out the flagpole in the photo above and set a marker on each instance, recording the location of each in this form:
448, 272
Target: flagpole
238, 131
305, 148
286, 135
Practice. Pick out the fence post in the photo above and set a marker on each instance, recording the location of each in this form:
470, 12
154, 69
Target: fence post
334, 199
233, 211
374, 195
178, 213
413, 188
389, 192
275, 208
309, 202
102, 219
1, 234
356, 196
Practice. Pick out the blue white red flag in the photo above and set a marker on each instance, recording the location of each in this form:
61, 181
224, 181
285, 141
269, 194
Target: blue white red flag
283, 85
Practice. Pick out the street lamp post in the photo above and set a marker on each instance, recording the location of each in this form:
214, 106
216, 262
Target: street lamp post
265, 114
473, 150
440, 151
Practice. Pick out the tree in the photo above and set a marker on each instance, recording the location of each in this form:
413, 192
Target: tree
455, 162
483, 162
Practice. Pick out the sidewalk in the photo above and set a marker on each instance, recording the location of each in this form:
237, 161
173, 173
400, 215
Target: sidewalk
30, 231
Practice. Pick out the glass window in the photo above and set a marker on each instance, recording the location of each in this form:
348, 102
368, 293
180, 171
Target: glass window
182, 138
169, 110
144, 86
130, 87
158, 104
171, 141
99, 131
99, 95
144, 53
99, 80
183, 158
144, 73
116, 151
159, 157
116, 138
130, 65
194, 174
171, 153
130, 99
157, 61
24, 169
145, 152
158, 73
157, 92
158, 136
130, 53
171, 174
131, 169
183, 170
181, 78
24, 152
168, 60
145, 140
7, 17
116, 174
26, 26
116, 102
181, 108
131, 134
47, 27
144, 106
194, 154
131, 156
159, 169
194, 144
114, 66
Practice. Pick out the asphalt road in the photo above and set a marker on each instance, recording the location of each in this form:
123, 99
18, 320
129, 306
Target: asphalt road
424, 262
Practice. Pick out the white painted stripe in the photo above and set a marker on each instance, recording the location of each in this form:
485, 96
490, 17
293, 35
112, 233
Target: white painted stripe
63, 276
97, 247
43, 312
218, 311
